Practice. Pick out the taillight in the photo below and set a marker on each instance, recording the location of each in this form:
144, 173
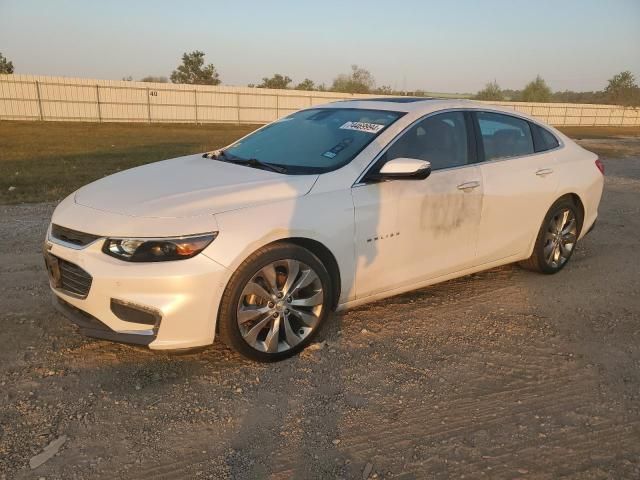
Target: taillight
600, 166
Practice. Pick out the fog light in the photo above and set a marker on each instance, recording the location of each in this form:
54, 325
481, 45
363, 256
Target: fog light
131, 312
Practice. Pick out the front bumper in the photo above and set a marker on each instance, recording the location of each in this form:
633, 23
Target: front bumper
165, 305
92, 327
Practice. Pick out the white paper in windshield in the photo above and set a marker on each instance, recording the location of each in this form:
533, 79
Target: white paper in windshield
363, 127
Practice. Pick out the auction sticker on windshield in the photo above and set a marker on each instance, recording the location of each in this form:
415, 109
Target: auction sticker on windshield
363, 127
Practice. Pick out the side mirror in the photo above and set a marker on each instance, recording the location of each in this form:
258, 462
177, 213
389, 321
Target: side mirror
404, 168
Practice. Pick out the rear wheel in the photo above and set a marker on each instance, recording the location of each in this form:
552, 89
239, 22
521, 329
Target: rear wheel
275, 303
556, 239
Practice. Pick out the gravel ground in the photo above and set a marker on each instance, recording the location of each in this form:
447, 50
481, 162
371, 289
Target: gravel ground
502, 374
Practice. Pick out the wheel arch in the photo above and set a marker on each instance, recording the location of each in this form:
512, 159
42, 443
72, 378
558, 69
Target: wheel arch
327, 258
318, 248
575, 198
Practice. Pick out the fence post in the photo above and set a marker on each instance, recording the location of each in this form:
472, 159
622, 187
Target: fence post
148, 106
39, 100
195, 102
277, 106
624, 109
548, 113
311, 100
98, 103
238, 107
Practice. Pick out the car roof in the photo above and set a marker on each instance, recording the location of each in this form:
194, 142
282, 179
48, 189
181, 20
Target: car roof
398, 99
412, 104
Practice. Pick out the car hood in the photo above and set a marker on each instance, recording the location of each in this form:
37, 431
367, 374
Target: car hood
189, 186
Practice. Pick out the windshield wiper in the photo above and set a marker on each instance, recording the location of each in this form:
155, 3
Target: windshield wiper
251, 162
254, 162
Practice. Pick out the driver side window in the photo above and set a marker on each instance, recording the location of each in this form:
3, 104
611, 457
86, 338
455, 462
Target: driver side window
440, 139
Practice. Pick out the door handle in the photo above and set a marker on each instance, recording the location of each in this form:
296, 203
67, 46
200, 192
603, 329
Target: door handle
468, 186
543, 172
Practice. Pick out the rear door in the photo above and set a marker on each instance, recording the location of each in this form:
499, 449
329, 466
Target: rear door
519, 185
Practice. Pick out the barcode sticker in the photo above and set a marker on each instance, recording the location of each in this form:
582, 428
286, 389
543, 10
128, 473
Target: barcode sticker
362, 127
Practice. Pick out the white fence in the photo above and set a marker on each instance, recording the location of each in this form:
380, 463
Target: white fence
28, 97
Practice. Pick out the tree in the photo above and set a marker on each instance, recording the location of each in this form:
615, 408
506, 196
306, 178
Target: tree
193, 71
358, 81
511, 95
306, 84
623, 90
384, 90
568, 96
491, 91
127, 79
152, 79
277, 81
536, 91
5, 65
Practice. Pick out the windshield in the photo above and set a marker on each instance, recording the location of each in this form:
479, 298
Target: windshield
313, 141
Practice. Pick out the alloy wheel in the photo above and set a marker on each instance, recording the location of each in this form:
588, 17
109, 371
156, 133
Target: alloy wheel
280, 306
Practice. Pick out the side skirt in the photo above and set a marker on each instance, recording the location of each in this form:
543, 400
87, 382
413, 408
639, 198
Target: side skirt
425, 283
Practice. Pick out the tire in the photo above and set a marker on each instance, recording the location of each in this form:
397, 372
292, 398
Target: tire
556, 242
260, 325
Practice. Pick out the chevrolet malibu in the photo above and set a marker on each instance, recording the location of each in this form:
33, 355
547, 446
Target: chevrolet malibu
328, 208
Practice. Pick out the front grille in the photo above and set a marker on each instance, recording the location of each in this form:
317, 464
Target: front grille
73, 279
72, 236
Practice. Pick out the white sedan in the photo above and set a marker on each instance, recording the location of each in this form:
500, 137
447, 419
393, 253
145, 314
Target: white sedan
331, 207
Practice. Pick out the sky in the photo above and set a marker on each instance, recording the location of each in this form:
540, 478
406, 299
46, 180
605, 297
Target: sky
437, 46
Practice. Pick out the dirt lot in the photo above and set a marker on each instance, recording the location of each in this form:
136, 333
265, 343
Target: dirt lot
503, 374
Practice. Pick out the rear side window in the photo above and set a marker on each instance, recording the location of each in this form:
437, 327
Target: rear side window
504, 136
543, 139
440, 139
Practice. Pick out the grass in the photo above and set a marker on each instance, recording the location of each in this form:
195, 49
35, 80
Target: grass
45, 161
599, 132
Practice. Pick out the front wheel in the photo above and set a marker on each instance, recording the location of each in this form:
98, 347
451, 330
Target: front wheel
275, 303
556, 239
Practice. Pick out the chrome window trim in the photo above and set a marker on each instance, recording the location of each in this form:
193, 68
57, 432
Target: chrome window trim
561, 144
535, 154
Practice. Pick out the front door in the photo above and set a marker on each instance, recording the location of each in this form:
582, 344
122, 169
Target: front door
409, 231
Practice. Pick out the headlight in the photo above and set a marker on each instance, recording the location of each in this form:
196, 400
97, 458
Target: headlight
157, 249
